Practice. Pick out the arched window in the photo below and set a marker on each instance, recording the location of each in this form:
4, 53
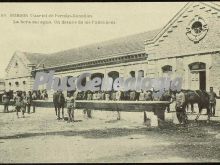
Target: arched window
24, 82
197, 66
100, 75
17, 83
113, 74
9, 83
166, 69
140, 73
132, 73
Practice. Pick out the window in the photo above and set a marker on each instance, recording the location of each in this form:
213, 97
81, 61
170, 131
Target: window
166, 68
16, 83
132, 73
197, 66
140, 73
197, 27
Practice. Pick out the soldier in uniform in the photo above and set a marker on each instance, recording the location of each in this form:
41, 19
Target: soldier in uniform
24, 99
107, 95
61, 104
212, 101
5, 101
180, 107
89, 97
34, 97
132, 95
19, 104
55, 101
29, 101
70, 102
118, 98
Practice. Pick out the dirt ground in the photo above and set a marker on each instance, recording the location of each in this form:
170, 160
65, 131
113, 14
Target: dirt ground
39, 137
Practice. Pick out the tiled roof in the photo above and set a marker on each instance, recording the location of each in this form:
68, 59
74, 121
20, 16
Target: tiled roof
116, 47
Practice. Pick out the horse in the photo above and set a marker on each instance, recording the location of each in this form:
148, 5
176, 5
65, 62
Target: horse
168, 95
200, 97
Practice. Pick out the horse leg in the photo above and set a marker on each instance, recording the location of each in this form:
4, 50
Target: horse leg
58, 113
63, 112
200, 111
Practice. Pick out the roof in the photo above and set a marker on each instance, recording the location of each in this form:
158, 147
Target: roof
34, 58
115, 47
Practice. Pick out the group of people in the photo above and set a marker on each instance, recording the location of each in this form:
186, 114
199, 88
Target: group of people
182, 101
60, 101
21, 100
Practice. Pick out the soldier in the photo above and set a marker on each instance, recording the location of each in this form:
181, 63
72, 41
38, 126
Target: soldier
34, 97
5, 101
107, 95
24, 100
19, 104
61, 104
132, 95
70, 102
180, 107
55, 101
118, 98
142, 96
103, 95
89, 97
212, 101
29, 101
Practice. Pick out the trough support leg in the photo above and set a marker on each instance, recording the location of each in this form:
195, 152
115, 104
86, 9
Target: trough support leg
160, 113
145, 117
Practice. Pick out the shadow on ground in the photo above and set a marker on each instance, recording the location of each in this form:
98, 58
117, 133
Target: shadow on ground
167, 129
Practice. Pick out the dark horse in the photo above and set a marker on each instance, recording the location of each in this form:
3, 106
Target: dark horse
168, 95
200, 97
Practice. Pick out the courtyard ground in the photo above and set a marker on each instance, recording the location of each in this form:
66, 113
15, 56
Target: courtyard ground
39, 137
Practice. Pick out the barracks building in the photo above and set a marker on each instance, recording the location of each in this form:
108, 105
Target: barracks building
187, 46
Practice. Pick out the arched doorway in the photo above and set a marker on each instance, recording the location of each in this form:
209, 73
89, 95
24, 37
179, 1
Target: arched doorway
167, 70
113, 75
197, 75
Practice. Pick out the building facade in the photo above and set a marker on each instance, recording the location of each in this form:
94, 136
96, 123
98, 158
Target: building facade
187, 46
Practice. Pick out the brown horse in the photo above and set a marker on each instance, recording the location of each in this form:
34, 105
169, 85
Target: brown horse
200, 97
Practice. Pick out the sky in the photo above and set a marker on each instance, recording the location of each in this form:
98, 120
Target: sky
129, 18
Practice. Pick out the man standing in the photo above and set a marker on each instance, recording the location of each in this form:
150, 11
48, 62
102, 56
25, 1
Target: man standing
180, 107
212, 101
33, 97
29, 101
61, 104
55, 101
5, 101
118, 98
